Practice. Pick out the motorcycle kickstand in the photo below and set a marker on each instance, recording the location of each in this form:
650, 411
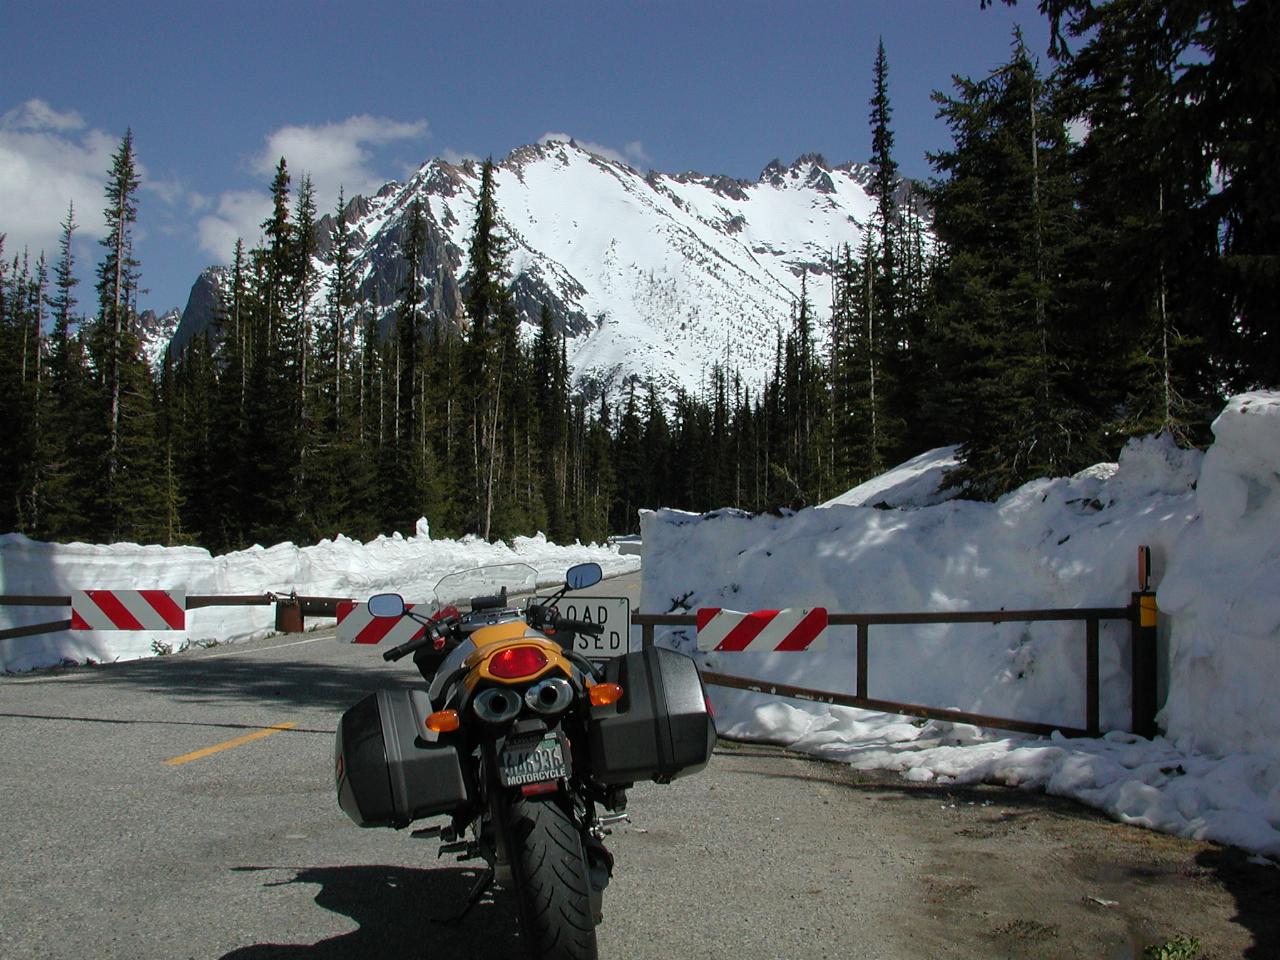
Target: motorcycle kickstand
482, 886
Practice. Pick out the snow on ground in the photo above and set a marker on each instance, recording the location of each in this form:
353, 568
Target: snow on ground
341, 567
1213, 524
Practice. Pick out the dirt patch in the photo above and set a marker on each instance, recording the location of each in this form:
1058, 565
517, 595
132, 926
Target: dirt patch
1000, 872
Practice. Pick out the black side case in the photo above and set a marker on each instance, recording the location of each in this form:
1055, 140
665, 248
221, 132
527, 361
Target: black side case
386, 774
660, 729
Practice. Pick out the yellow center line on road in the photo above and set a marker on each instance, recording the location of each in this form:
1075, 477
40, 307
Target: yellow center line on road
228, 744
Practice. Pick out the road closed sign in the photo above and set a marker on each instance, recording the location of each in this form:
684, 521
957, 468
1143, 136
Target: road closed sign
612, 613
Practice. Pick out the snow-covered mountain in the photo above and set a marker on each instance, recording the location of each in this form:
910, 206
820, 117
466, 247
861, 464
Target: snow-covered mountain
655, 275
156, 330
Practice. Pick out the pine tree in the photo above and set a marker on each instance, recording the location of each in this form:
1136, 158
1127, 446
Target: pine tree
66, 462
231, 328
1003, 351
1231, 93
16, 391
489, 354
1139, 190
269, 441
339, 300
406, 460
628, 455
1179, 99
550, 427
306, 284
883, 187
117, 278
858, 395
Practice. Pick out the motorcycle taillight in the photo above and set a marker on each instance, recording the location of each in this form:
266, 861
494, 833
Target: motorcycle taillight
515, 663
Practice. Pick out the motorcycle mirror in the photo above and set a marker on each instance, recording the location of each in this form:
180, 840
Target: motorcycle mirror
583, 575
386, 605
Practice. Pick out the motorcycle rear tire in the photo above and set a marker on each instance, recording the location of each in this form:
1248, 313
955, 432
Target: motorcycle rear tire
552, 889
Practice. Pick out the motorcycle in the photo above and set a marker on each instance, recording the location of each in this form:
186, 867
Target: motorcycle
520, 741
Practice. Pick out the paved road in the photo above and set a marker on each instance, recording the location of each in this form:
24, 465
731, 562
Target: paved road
108, 849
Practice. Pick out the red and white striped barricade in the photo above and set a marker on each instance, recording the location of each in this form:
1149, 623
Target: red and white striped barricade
762, 630
128, 610
357, 625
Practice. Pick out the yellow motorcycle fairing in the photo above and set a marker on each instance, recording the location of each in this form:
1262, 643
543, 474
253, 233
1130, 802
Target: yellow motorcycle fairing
501, 636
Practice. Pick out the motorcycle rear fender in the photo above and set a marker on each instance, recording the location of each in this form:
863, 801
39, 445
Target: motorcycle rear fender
492, 640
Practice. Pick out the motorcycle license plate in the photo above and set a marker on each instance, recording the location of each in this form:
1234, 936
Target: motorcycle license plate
532, 760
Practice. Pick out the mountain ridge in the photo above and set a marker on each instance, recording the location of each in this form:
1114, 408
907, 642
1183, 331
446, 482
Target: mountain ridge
649, 276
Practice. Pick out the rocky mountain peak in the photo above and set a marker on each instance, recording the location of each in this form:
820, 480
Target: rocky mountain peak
652, 276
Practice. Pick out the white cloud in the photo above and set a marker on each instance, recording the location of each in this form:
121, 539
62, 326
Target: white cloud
170, 192
239, 216
335, 154
38, 115
632, 153
49, 159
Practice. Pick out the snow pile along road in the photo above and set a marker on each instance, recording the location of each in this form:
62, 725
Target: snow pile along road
341, 567
1213, 523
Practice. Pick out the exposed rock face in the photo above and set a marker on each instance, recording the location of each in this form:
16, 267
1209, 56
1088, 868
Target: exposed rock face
203, 301
651, 276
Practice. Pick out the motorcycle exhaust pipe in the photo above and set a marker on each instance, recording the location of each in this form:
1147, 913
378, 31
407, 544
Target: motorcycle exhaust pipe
496, 705
552, 695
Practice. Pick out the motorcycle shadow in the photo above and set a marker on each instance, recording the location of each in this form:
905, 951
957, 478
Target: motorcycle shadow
402, 913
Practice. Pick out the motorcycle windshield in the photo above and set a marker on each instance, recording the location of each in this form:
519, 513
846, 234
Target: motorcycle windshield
458, 588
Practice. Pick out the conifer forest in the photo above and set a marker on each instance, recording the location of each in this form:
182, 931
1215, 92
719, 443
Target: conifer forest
1095, 257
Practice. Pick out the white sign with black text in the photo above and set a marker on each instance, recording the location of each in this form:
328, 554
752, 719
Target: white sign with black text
612, 613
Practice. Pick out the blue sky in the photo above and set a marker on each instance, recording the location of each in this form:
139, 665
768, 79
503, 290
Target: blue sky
357, 94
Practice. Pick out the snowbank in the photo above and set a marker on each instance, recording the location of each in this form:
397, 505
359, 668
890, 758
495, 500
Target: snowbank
1222, 591
341, 567
1213, 523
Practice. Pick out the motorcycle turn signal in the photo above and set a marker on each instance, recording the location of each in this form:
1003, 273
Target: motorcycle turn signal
443, 721
603, 694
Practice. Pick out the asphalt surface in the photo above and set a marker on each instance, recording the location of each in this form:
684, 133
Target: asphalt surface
120, 839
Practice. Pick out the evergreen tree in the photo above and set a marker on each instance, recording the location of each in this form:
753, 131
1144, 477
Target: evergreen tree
117, 278
1231, 94
550, 396
490, 355
858, 397
66, 462
628, 456
339, 301
1004, 352
406, 459
16, 390
270, 441
658, 452
306, 284
1179, 98
231, 329
883, 187
1139, 190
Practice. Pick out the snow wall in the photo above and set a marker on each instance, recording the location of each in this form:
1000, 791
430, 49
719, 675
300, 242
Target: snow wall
1212, 522
341, 567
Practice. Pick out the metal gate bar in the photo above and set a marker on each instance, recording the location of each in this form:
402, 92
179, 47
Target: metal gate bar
1142, 640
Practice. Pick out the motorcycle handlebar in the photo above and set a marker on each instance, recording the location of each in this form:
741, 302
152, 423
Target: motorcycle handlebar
396, 653
578, 626
410, 646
